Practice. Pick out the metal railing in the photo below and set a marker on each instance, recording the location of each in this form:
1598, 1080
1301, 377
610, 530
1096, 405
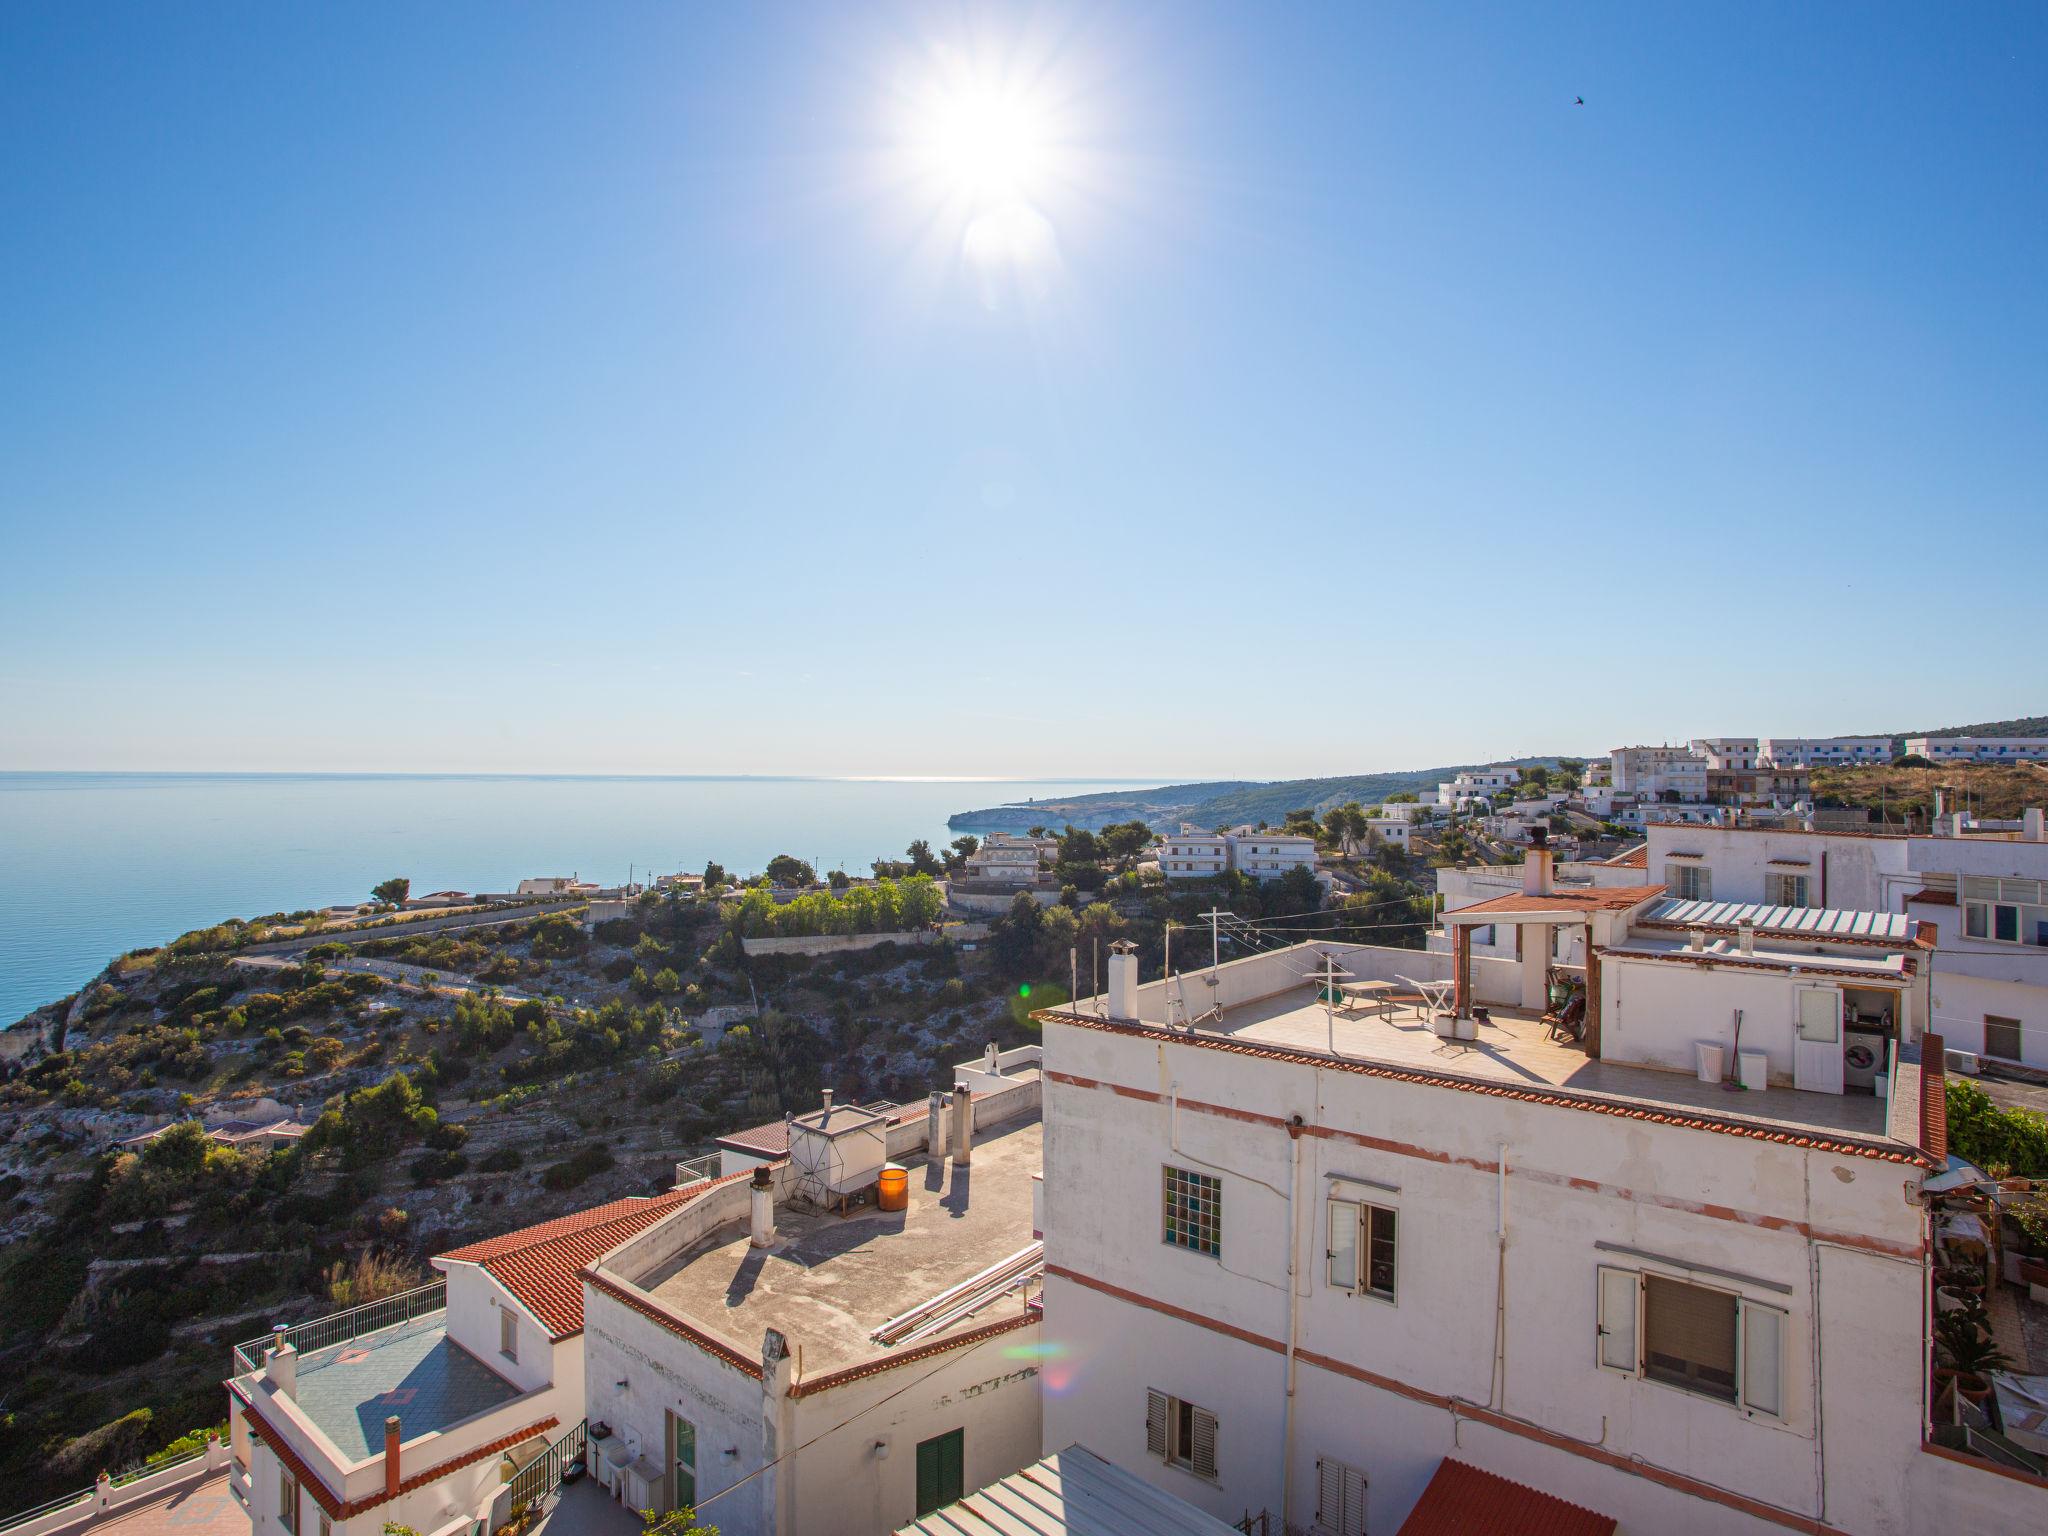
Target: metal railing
543, 1475
85, 1497
339, 1326
697, 1170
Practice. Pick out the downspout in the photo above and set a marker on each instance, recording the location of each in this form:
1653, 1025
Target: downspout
1497, 1396
1294, 1126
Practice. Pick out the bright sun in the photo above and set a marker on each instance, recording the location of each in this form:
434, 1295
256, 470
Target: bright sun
984, 141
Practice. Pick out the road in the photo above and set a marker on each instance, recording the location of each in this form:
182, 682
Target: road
361, 933
412, 977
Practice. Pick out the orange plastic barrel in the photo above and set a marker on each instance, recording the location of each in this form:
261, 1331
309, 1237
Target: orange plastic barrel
893, 1193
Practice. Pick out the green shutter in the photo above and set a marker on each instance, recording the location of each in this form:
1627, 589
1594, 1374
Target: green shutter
941, 1464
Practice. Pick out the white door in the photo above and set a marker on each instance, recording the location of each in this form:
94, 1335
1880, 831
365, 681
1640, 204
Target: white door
1817, 1041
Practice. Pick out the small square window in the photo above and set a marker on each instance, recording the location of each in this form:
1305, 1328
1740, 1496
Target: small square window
1193, 1215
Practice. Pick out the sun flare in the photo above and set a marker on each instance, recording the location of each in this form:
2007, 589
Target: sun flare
984, 141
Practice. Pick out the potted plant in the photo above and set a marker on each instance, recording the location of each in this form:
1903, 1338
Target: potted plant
1972, 1354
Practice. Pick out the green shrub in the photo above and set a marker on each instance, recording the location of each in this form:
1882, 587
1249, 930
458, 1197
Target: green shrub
574, 1169
1985, 1134
502, 1160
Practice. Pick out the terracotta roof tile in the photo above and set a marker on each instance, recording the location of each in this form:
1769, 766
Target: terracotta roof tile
1614, 899
1461, 1500
1932, 898
542, 1265
1635, 858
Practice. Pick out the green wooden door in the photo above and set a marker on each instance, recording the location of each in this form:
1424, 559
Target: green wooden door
682, 1461
940, 1463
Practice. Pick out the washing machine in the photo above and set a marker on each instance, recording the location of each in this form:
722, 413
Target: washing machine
1863, 1057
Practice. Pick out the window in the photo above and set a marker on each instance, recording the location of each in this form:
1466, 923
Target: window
287, 1499
1194, 1211
1181, 1434
2001, 1037
1785, 890
1711, 1342
682, 1463
1359, 1230
1340, 1498
508, 1334
940, 1465
1689, 882
325, 1528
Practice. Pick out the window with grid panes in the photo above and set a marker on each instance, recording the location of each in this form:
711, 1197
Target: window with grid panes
1193, 1214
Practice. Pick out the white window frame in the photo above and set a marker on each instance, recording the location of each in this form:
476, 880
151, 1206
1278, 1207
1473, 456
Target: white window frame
287, 1498
508, 1334
1355, 1220
1620, 1308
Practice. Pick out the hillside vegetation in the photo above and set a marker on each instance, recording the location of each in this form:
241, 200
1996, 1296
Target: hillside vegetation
1895, 795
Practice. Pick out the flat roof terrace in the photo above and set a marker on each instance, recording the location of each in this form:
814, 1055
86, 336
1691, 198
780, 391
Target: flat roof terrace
1514, 1047
413, 1370
829, 1280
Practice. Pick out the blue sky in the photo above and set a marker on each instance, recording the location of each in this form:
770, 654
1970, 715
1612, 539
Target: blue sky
1308, 390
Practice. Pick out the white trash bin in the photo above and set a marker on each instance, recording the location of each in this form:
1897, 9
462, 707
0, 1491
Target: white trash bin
1754, 1068
1713, 1059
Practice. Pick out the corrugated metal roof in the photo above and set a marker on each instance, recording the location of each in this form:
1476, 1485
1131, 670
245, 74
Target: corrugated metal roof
1071, 1493
1462, 1500
1830, 922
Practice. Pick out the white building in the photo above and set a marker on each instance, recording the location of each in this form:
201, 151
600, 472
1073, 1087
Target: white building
1727, 753
1823, 751
1010, 859
1262, 854
1658, 773
1984, 896
789, 1369
1980, 749
1395, 830
1304, 1257
554, 885
1475, 784
337, 1431
1188, 855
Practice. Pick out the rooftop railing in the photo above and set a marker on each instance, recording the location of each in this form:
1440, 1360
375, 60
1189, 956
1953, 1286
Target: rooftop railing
337, 1327
697, 1170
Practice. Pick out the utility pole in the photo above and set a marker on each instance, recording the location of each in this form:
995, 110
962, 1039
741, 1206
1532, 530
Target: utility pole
1329, 976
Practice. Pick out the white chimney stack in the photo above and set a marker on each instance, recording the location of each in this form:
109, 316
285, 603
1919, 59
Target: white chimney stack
1123, 980
828, 1098
281, 1366
2034, 825
1697, 940
1747, 932
1536, 871
761, 1207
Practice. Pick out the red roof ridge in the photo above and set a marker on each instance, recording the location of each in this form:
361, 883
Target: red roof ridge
1464, 1500
542, 1265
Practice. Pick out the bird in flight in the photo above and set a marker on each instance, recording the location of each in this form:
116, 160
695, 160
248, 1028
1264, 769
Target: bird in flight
1580, 102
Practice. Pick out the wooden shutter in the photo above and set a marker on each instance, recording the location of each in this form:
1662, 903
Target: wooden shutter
927, 1477
1763, 1372
1155, 1423
1340, 1498
941, 1463
1615, 1345
1343, 1249
1202, 1453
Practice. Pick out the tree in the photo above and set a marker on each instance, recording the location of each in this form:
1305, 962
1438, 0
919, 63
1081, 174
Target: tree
919, 902
838, 879
1125, 841
1571, 770
715, 876
922, 859
675, 1522
392, 892
1537, 778
787, 869
964, 848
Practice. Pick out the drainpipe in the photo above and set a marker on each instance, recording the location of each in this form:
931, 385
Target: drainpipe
1294, 1127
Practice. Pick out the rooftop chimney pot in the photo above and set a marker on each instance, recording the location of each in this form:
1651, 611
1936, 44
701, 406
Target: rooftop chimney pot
761, 1208
963, 1125
1747, 933
391, 1472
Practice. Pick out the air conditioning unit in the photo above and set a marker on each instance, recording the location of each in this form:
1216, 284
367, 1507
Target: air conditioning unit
1964, 1062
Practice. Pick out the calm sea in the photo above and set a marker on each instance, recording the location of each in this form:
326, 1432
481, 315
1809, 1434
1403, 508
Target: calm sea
93, 864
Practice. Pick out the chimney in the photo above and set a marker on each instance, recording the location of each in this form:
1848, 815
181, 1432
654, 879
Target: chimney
761, 1207
1697, 940
1747, 934
963, 1125
281, 1366
391, 1477
935, 1124
1123, 980
828, 1098
1536, 866
2034, 826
